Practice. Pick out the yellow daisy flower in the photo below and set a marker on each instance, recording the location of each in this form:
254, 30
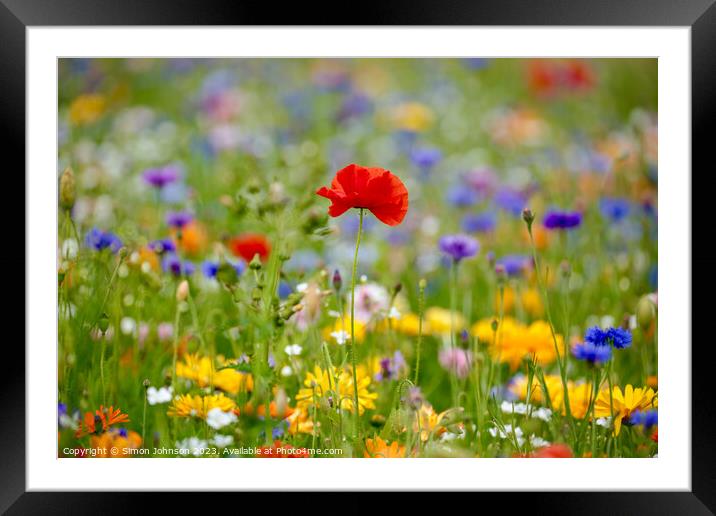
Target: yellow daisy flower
339, 384
201, 371
187, 405
631, 400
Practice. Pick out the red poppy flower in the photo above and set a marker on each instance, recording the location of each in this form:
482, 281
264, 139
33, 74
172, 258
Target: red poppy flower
248, 245
280, 450
554, 451
374, 189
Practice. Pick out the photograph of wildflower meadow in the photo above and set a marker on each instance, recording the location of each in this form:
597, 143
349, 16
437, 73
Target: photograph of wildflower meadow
366, 258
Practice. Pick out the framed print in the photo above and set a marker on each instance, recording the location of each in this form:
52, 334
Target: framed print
456, 240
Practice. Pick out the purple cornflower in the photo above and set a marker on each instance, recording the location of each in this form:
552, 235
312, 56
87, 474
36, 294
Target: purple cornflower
99, 240
515, 264
161, 176
456, 361
592, 353
458, 247
391, 367
172, 263
163, 245
562, 219
617, 337
479, 222
179, 219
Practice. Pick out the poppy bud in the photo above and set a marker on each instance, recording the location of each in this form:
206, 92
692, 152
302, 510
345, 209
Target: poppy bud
68, 189
645, 312
528, 217
566, 269
255, 263
337, 280
398, 287
103, 323
182, 291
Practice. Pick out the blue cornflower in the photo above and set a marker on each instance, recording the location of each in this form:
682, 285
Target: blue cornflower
209, 268
461, 196
617, 337
426, 157
163, 245
562, 219
172, 263
511, 201
479, 222
179, 219
645, 418
98, 240
614, 208
515, 264
458, 247
592, 353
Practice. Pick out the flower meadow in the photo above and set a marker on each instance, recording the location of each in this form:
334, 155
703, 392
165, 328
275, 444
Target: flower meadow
367, 258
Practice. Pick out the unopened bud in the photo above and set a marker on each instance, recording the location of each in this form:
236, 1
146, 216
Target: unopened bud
255, 263
146, 383
398, 287
565, 268
495, 324
528, 217
281, 403
501, 274
103, 323
337, 280
422, 284
183, 291
68, 189
645, 312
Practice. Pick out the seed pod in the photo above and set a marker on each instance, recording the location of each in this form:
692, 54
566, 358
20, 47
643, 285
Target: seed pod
103, 323
255, 263
68, 189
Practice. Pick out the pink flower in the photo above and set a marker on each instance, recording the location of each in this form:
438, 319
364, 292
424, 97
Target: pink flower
457, 361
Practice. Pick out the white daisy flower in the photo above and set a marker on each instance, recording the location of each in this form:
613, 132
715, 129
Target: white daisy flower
217, 418
341, 337
293, 350
156, 396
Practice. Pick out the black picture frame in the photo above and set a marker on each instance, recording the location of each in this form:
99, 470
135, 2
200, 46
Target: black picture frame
700, 15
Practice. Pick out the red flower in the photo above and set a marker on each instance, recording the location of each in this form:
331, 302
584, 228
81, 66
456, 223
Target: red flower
106, 416
248, 245
554, 451
374, 189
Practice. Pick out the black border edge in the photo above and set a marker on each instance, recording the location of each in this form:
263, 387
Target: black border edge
12, 366
703, 115
700, 14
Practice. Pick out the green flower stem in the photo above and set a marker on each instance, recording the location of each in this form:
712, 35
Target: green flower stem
421, 308
562, 371
453, 308
356, 416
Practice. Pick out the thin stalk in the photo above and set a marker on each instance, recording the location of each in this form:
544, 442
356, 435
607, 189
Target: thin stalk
421, 307
356, 417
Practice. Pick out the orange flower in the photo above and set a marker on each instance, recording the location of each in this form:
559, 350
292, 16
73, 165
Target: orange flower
106, 416
114, 444
193, 238
379, 449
